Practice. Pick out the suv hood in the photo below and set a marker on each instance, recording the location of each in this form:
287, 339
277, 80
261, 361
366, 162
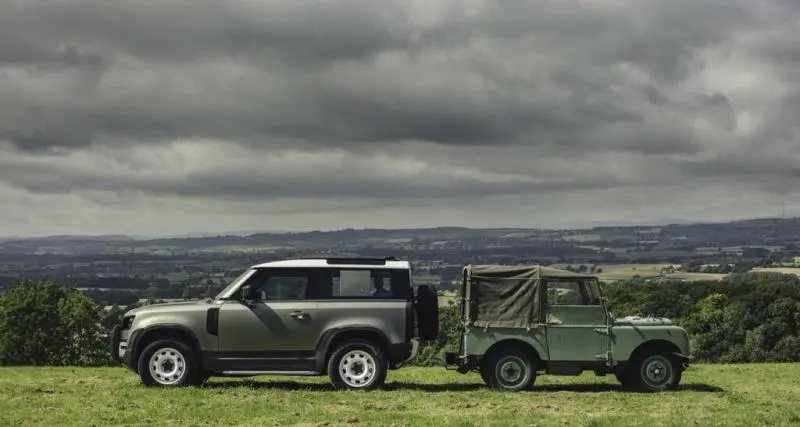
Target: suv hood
642, 321
164, 306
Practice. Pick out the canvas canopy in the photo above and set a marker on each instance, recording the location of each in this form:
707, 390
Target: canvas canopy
506, 295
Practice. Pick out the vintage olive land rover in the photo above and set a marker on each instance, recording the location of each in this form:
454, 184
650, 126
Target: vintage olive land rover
518, 321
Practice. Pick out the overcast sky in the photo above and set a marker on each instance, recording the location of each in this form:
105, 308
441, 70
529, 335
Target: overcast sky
178, 116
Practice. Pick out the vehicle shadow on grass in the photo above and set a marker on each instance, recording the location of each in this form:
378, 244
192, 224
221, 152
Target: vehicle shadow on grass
451, 387
596, 388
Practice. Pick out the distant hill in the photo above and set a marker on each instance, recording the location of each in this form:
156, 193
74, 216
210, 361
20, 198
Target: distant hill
79, 238
681, 234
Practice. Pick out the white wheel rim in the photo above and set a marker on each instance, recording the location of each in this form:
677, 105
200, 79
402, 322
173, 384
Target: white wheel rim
167, 366
357, 368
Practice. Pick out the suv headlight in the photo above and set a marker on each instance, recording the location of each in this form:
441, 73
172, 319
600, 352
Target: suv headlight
127, 321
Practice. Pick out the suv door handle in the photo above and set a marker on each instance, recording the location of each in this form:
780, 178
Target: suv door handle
298, 314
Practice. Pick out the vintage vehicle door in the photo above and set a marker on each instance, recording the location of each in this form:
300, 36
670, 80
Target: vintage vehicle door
575, 321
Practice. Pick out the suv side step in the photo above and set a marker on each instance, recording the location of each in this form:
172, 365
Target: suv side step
253, 373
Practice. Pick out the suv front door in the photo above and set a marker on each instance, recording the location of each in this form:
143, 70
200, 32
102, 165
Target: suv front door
576, 321
270, 324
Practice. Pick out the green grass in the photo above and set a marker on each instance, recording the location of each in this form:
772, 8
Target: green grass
710, 395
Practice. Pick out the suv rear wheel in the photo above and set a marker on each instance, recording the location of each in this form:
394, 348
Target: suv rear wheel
169, 363
357, 365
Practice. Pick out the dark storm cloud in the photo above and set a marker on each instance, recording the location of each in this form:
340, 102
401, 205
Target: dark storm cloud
301, 177
616, 93
315, 55
185, 30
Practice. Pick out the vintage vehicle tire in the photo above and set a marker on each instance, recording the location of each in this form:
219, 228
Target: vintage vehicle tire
169, 363
654, 372
487, 379
427, 313
357, 365
624, 378
509, 370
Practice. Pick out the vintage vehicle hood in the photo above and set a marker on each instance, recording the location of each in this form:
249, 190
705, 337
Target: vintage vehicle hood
642, 321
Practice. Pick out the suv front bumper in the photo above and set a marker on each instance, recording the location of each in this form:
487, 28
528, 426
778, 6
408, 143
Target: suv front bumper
118, 348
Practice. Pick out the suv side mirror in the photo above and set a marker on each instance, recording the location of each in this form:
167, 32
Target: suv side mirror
245, 292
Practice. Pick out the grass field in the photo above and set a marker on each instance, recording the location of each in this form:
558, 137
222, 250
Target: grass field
755, 395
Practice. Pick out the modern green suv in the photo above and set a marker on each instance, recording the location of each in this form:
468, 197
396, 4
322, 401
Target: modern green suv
349, 318
517, 321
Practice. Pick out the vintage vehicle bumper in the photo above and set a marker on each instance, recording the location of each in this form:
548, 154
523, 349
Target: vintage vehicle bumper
451, 358
685, 359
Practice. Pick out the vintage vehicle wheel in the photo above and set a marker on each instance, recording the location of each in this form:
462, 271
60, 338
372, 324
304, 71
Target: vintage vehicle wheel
357, 365
169, 363
427, 313
624, 378
486, 375
510, 371
653, 372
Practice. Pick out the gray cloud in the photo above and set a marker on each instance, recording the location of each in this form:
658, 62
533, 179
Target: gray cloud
173, 104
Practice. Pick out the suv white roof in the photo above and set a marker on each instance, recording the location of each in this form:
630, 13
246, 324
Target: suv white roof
337, 263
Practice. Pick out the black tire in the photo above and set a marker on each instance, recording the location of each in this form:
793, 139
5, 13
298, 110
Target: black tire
654, 372
427, 313
485, 376
363, 355
173, 353
623, 377
509, 370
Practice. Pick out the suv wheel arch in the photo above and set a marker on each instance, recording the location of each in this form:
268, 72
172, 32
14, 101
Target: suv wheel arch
333, 337
145, 336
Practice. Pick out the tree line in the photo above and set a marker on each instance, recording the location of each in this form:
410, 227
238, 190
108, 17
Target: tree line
745, 318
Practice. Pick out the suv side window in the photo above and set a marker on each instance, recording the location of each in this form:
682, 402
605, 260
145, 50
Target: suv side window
571, 292
347, 283
279, 285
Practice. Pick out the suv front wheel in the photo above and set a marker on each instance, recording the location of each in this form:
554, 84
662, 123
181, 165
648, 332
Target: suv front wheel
169, 363
357, 365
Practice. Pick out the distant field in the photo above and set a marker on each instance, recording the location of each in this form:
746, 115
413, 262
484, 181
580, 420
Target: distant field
710, 395
421, 279
697, 276
444, 300
627, 271
784, 270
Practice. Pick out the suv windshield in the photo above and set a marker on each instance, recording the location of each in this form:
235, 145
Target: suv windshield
231, 283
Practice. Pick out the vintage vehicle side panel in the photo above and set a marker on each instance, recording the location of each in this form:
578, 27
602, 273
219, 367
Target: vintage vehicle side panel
577, 333
479, 340
628, 338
